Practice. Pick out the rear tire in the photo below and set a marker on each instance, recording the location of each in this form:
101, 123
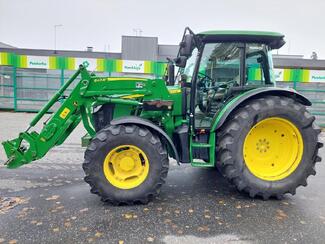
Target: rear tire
109, 188
232, 136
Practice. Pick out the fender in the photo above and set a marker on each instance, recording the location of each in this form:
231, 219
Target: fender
151, 126
221, 117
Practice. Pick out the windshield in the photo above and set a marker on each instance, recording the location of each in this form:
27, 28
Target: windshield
220, 62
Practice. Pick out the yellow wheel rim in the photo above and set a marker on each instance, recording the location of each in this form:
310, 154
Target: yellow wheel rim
273, 149
126, 166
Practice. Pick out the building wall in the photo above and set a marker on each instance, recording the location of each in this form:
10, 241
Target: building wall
139, 48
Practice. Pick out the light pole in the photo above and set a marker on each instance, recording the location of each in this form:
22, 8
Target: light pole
55, 27
137, 31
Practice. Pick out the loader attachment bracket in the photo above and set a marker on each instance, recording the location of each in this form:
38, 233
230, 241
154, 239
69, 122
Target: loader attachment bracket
19, 153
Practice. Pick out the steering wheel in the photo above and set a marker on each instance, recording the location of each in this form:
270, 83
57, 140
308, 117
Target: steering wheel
204, 80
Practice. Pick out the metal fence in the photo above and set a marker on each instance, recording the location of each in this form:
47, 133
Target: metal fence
315, 92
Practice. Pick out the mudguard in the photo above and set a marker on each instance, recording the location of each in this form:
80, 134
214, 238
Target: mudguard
147, 123
221, 117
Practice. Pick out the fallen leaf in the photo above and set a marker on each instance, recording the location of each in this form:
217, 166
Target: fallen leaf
203, 228
190, 210
83, 228
39, 223
238, 215
146, 209
98, 234
285, 203
54, 197
177, 211
90, 240
281, 213
56, 229
128, 216
83, 210
166, 221
73, 217
67, 224
33, 222
120, 242
150, 239
238, 206
207, 216
7, 203
12, 241
135, 216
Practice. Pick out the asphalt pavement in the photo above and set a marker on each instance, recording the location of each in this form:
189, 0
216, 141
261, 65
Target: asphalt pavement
48, 202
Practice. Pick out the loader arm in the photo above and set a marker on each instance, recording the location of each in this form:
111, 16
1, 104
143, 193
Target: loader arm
125, 93
30, 146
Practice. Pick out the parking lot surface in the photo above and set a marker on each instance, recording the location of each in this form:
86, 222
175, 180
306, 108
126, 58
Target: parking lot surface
48, 202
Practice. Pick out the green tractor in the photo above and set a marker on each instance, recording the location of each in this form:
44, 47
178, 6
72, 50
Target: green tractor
221, 110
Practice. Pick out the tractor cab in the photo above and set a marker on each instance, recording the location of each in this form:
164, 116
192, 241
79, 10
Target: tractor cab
219, 65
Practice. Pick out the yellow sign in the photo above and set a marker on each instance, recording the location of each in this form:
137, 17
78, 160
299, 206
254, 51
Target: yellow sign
64, 113
175, 91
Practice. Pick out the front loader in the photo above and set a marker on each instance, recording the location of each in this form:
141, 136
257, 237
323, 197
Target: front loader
222, 109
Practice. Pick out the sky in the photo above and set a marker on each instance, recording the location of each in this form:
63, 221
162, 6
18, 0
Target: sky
101, 23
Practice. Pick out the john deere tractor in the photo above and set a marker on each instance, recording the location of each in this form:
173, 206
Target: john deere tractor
222, 109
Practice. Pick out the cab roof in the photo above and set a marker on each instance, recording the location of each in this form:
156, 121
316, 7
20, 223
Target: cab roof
273, 39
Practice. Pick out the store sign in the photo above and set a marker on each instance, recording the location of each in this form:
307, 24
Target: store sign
132, 66
37, 62
317, 75
278, 74
92, 63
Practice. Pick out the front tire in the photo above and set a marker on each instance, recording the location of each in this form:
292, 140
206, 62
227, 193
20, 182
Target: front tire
268, 147
125, 164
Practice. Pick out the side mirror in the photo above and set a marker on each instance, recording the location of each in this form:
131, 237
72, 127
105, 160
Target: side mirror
171, 74
186, 46
181, 61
